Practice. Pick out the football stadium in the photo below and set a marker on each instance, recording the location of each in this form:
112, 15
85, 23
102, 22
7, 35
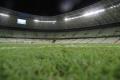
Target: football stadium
82, 44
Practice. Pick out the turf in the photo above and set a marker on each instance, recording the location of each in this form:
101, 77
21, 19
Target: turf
59, 62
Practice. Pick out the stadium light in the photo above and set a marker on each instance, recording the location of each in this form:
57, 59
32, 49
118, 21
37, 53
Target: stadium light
38, 21
115, 6
4, 15
93, 13
85, 15
68, 19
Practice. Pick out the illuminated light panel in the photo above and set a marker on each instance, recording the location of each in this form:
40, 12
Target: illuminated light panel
93, 13
68, 19
21, 21
114, 6
85, 15
4, 15
37, 21
111, 7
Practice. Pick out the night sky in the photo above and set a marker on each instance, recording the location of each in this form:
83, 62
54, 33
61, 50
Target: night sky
46, 7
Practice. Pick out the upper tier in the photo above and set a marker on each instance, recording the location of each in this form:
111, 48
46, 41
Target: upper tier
100, 13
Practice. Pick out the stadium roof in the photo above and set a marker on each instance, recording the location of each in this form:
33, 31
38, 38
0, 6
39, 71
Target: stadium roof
46, 7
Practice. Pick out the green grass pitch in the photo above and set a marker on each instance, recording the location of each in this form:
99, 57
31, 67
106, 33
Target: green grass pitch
59, 62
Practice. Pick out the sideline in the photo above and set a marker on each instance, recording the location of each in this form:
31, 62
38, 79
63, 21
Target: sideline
66, 46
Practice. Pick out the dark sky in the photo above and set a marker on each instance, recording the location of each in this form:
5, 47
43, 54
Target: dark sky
46, 7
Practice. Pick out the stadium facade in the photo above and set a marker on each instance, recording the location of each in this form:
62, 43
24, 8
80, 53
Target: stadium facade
97, 23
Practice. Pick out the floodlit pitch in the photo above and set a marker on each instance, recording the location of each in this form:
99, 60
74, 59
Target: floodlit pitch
59, 62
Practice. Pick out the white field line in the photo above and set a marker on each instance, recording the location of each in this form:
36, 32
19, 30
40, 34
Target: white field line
67, 46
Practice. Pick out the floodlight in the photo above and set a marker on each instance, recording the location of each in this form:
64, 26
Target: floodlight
68, 19
4, 15
111, 7
85, 15
21, 21
114, 6
36, 21
93, 13
40, 21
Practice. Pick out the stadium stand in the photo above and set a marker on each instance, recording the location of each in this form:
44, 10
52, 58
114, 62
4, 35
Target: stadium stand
105, 35
102, 28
